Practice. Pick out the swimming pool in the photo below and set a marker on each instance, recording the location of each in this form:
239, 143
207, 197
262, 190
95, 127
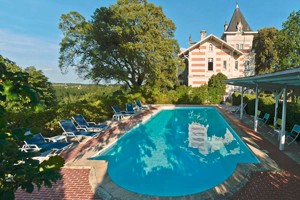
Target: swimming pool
177, 152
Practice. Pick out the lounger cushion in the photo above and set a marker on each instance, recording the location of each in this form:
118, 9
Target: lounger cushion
53, 145
83, 133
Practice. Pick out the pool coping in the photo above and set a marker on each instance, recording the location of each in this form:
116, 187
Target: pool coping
107, 189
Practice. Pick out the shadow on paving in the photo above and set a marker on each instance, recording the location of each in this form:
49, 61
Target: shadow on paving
74, 185
282, 183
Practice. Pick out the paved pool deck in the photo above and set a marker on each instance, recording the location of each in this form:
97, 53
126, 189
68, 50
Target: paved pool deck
277, 177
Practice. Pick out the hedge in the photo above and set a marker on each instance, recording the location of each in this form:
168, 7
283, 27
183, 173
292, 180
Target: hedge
266, 104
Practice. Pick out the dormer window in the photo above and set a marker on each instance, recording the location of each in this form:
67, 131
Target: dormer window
240, 27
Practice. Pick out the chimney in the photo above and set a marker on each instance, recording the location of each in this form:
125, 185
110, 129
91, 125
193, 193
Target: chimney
190, 40
202, 34
225, 26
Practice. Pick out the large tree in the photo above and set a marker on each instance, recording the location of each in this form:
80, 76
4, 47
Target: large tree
130, 42
266, 57
18, 169
40, 82
288, 42
43, 89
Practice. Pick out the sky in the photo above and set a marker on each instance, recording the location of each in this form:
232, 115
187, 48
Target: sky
29, 33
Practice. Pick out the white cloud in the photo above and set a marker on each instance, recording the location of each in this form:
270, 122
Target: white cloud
16, 43
35, 51
48, 69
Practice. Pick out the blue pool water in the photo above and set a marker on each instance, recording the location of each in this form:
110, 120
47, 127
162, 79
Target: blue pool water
177, 152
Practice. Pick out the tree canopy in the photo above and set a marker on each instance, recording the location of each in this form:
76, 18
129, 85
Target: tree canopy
18, 169
37, 85
278, 49
265, 53
129, 42
288, 42
40, 82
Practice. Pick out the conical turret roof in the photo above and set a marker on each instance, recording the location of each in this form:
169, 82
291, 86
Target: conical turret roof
236, 19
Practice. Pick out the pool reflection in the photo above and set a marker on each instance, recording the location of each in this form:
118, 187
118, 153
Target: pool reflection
198, 138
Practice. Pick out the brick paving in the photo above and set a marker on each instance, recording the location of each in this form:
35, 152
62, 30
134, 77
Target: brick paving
283, 184
270, 186
74, 185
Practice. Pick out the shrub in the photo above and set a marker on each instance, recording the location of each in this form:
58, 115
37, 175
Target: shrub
266, 104
217, 88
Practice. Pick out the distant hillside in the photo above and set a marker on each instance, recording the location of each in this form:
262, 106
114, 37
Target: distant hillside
69, 92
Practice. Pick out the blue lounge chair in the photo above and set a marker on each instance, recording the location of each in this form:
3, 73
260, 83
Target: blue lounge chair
118, 114
45, 155
295, 132
70, 130
130, 109
140, 106
90, 126
263, 120
37, 142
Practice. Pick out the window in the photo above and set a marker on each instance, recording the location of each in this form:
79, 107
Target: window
224, 64
210, 64
247, 65
236, 66
210, 48
239, 46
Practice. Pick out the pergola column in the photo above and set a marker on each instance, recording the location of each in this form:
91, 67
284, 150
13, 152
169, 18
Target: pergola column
277, 96
242, 103
282, 132
256, 108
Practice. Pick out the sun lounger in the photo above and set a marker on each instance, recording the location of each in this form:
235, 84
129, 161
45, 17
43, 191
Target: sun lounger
70, 130
140, 106
45, 155
118, 114
130, 109
90, 126
37, 142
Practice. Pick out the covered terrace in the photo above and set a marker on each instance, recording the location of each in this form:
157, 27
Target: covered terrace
282, 83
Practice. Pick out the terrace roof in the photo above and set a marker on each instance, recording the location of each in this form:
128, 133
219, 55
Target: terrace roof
276, 81
289, 79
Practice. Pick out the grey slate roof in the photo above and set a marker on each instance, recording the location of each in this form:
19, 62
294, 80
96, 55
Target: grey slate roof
236, 18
